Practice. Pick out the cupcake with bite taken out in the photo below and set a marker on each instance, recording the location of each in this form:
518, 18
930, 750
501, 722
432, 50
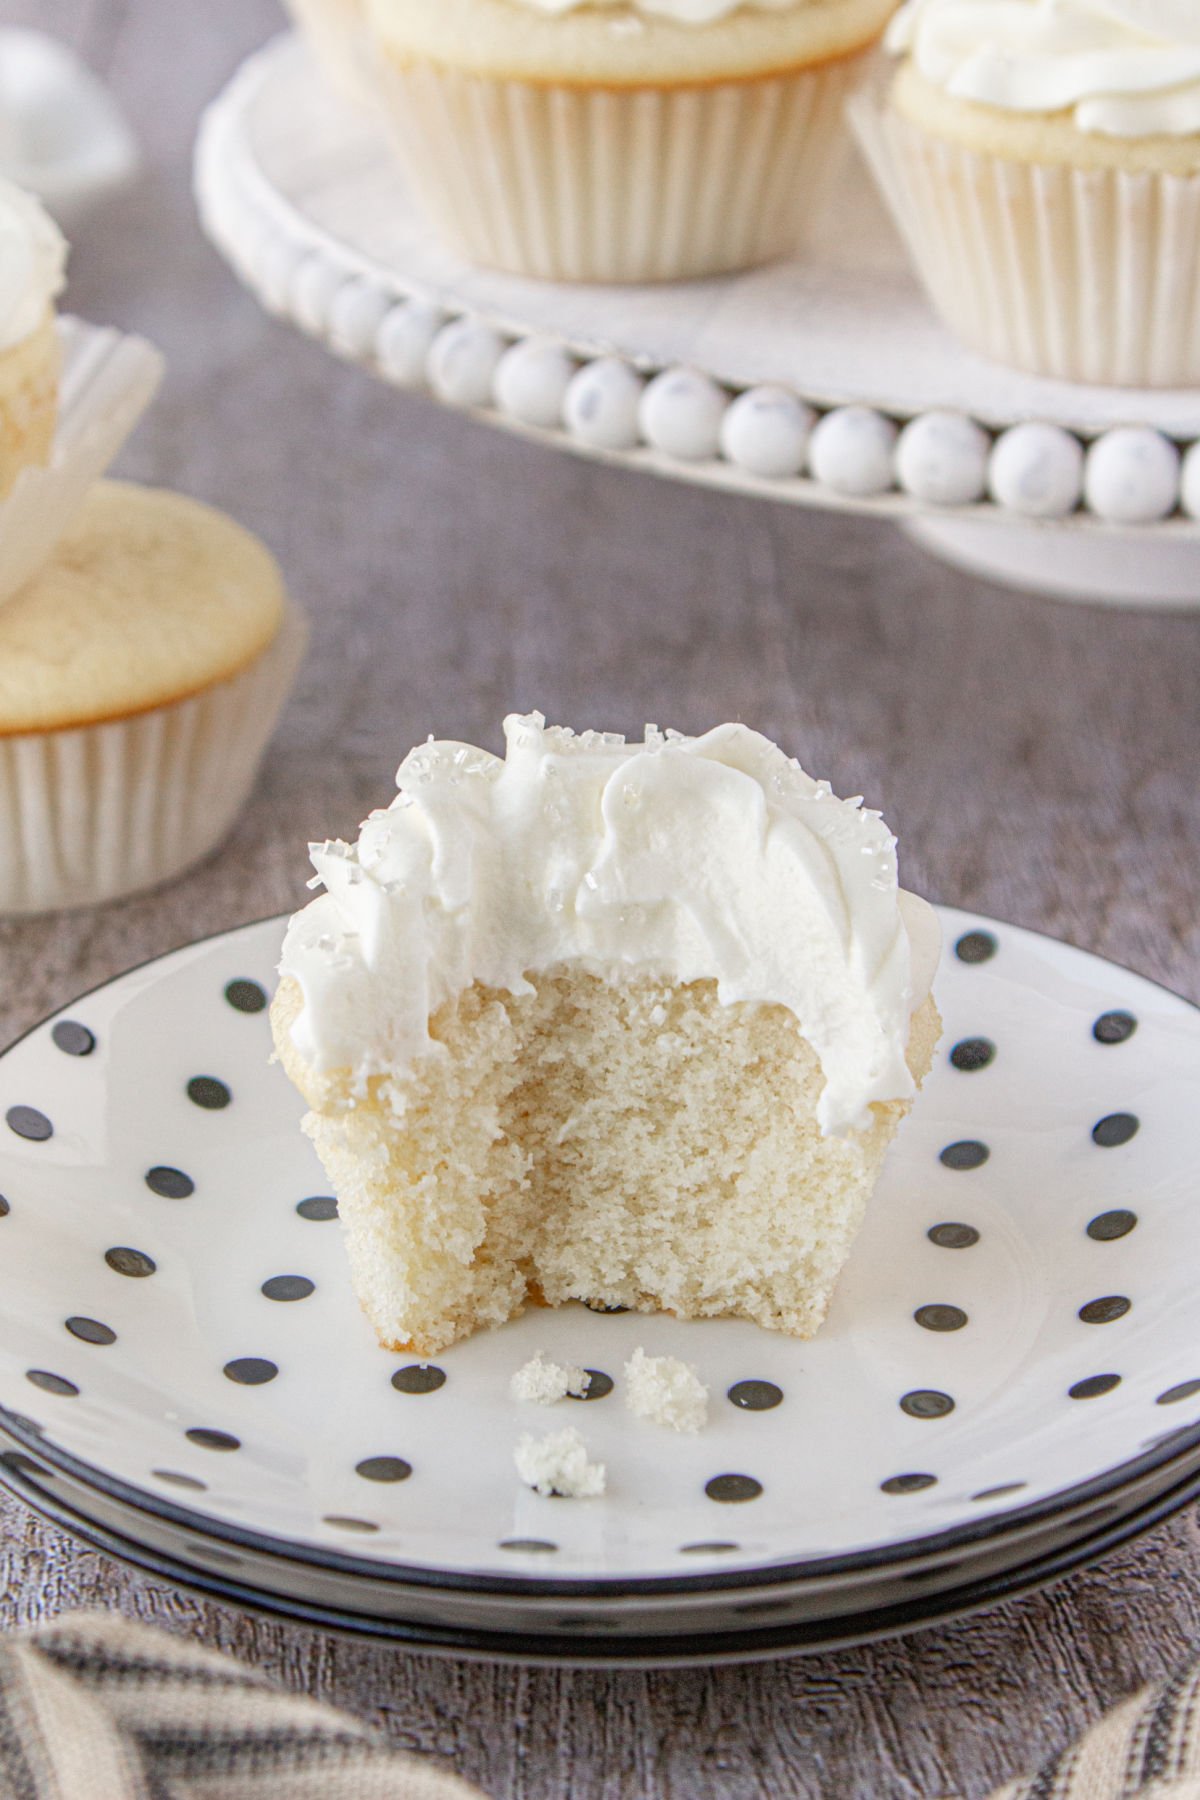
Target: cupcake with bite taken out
1042, 158
625, 1023
620, 140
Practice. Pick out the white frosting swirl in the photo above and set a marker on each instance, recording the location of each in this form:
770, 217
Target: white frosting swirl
1122, 68
712, 857
33, 260
680, 12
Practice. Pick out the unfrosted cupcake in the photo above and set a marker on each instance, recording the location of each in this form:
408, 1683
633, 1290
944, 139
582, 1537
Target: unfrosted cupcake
620, 140
336, 33
1043, 161
630, 1024
33, 259
141, 673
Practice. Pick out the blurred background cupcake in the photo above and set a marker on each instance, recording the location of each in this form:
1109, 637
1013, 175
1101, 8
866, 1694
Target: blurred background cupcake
33, 259
141, 674
1042, 158
620, 140
336, 33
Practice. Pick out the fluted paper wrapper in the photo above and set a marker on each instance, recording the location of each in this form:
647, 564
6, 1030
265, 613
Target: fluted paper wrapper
1085, 274
88, 815
605, 184
108, 380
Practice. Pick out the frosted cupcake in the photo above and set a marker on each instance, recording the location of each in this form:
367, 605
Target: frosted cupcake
336, 33
141, 673
620, 140
1043, 161
630, 1024
33, 259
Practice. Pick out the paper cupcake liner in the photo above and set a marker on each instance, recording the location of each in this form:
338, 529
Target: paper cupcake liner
605, 184
337, 34
1086, 274
108, 380
94, 813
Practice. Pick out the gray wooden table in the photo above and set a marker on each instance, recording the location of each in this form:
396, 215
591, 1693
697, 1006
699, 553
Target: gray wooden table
1038, 761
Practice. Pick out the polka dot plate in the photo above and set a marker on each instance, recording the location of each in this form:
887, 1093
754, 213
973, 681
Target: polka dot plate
1009, 1379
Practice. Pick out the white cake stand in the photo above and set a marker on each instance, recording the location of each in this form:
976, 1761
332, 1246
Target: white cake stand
824, 381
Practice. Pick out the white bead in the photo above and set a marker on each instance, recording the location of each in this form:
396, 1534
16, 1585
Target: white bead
766, 432
404, 340
601, 405
357, 311
1037, 470
462, 362
1132, 476
314, 285
681, 414
851, 451
531, 383
1190, 483
941, 458
275, 266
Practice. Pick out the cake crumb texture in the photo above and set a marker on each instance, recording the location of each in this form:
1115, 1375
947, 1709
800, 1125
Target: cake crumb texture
544, 1382
558, 1465
631, 1142
666, 1390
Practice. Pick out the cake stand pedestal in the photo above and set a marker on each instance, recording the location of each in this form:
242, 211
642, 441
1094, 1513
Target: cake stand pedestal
822, 381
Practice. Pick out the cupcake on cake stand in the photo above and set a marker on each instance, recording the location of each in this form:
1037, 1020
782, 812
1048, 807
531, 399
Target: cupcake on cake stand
826, 380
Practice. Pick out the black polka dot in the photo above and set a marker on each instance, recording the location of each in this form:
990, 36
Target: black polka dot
124, 1261
21, 1421
341, 1522
1093, 1386
755, 1396
5, 1209
976, 947
319, 1208
29, 1123
246, 996
20, 1464
940, 1317
51, 1384
180, 1481
212, 1440
733, 1488
288, 1287
533, 1546
926, 1403
952, 1236
968, 1153
602, 1306
599, 1385
208, 1092
172, 1184
1105, 1310
419, 1378
970, 1054
1114, 1028
714, 1549
251, 1371
907, 1484
72, 1038
1183, 1390
1115, 1129
1109, 1225
383, 1468
995, 1493
90, 1331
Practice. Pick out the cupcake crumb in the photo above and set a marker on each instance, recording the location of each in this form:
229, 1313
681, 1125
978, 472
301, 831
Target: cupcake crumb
558, 1465
666, 1390
543, 1382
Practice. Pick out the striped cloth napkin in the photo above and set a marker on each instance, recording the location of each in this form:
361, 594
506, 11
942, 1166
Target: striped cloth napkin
95, 1708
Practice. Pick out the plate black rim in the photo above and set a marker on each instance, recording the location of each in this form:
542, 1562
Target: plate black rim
754, 1644
1172, 1448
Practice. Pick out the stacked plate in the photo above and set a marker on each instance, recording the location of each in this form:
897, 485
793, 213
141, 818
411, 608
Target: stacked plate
1007, 1386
